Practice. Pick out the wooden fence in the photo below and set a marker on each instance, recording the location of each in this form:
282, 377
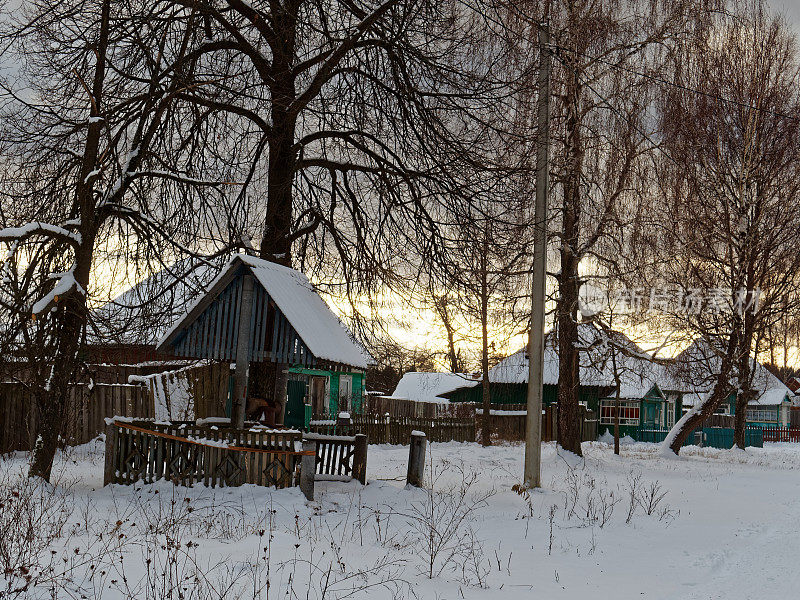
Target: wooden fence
397, 430
187, 454
401, 407
510, 423
87, 409
781, 434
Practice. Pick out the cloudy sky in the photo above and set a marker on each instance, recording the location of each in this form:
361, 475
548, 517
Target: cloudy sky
791, 8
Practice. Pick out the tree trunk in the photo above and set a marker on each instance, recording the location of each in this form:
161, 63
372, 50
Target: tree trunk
722, 389
617, 401
53, 396
568, 287
71, 315
486, 429
744, 392
276, 243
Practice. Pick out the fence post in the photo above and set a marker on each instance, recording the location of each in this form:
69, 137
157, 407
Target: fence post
388, 428
308, 467
416, 459
111, 449
698, 438
360, 459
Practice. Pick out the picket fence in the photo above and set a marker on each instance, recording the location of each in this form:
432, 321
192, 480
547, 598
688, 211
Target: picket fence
781, 434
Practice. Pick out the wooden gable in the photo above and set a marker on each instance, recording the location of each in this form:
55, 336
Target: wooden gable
211, 329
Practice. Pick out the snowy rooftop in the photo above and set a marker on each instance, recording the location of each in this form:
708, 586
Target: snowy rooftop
143, 313
637, 374
320, 329
699, 365
428, 387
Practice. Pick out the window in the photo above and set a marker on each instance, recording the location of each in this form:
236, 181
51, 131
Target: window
762, 414
628, 412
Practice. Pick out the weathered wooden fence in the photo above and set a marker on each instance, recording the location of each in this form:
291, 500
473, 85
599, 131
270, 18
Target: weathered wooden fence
87, 409
397, 430
401, 407
509, 422
781, 434
187, 454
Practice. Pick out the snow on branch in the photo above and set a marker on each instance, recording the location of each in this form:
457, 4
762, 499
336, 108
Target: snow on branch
66, 285
18, 234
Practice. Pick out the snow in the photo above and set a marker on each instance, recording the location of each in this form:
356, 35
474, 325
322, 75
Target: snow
66, 283
320, 329
427, 387
172, 397
726, 528
16, 233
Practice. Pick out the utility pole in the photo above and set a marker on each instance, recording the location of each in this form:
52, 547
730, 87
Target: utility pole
533, 438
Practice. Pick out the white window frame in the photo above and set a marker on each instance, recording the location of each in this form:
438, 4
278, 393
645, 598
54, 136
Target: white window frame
763, 414
623, 404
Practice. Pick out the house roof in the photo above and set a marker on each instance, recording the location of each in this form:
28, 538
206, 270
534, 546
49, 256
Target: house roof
325, 336
428, 387
143, 313
699, 364
637, 373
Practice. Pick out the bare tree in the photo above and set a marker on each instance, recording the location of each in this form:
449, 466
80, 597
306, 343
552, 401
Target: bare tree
733, 143
599, 146
84, 126
364, 123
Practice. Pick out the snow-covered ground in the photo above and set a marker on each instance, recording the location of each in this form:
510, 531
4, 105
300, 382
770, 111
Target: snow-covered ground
721, 524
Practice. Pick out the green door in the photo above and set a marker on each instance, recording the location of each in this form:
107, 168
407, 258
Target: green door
650, 413
295, 405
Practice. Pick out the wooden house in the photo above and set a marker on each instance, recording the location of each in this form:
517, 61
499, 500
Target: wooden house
648, 397
697, 367
289, 324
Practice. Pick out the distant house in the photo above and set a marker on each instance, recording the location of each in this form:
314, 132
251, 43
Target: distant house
430, 387
697, 367
647, 396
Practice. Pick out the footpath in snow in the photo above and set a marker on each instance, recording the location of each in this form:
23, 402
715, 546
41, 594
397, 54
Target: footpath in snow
711, 524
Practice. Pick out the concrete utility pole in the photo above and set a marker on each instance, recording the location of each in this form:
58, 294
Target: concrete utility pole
533, 439
242, 354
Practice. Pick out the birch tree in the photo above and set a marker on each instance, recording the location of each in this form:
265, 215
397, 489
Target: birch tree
733, 141
599, 145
